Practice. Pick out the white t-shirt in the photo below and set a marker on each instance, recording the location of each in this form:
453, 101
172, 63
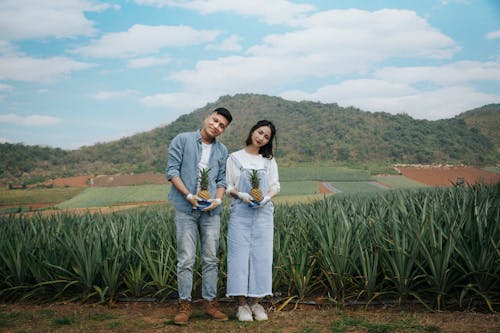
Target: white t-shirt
205, 155
250, 161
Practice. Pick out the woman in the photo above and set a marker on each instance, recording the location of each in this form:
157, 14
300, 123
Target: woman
251, 223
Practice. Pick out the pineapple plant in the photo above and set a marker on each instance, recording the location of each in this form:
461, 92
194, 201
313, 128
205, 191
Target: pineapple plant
255, 192
203, 193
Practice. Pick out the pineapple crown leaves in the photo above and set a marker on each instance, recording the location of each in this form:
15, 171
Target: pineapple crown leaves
204, 178
254, 178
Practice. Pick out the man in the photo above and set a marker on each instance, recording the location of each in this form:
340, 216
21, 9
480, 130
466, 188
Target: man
189, 153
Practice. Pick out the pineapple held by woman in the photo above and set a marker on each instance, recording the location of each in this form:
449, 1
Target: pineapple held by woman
255, 192
203, 193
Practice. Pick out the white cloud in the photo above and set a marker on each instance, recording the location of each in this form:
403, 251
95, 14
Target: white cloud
6, 48
379, 95
453, 73
144, 39
330, 43
176, 101
493, 34
5, 87
110, 95
148, 62
4, 140
447, 2
241, 74
38, 70
272, 12
353, 35
33, 120
230, 44
28, 19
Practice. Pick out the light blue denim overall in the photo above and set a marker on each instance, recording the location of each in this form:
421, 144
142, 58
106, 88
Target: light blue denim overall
250, 242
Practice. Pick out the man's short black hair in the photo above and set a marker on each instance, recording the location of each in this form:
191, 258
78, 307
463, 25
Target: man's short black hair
225, 113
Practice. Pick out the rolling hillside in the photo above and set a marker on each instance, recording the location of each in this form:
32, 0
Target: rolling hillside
308, 132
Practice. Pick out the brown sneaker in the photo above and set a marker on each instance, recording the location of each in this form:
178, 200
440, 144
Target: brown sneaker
212, 311
182, 317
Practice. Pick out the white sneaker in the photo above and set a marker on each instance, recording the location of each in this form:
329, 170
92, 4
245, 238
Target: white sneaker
244, 313
259, 312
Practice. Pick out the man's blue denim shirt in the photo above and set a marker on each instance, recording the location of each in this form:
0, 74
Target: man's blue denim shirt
184, 153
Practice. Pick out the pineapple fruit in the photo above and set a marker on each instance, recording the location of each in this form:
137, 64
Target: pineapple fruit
203, 193
255, 192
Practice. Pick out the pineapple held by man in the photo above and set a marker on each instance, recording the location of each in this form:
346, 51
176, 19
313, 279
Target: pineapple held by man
204, 181
255, 192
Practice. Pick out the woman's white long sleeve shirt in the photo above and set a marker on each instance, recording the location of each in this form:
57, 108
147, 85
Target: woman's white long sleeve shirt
250, 161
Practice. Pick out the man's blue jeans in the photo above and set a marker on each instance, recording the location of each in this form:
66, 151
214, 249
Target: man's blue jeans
188, 228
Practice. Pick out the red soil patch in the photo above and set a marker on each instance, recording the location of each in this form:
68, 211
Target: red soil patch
323, 189
77, 181
448, 175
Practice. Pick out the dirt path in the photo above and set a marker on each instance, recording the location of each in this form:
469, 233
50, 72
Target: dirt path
150, 317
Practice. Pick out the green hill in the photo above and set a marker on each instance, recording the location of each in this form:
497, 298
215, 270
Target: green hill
308, 132
485, 120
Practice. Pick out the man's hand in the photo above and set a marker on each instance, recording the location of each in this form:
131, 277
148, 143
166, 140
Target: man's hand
245, 197
193, 200
214, 203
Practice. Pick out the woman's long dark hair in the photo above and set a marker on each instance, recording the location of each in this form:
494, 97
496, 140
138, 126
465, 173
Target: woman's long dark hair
267, 150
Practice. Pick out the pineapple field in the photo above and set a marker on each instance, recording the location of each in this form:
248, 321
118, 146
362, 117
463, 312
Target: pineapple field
381, 251
437, 247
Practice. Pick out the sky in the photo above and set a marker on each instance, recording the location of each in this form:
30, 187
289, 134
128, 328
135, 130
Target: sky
77, 72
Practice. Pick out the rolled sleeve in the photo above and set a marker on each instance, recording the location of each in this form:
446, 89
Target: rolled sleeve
274, 183
174, 158
231, 175
220, 181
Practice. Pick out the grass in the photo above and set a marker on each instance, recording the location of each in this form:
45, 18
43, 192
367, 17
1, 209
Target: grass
108, 196
495, 169
38, 195
322, 173
356, 187
292, 192
298, 184
297, 199
148, 318
348, 324
64, 321
7, 319
293, 188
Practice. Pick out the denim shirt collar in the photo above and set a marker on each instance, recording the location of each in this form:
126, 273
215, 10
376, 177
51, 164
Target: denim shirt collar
199, 139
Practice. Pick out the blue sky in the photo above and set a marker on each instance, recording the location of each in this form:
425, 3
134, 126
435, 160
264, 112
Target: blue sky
77, 72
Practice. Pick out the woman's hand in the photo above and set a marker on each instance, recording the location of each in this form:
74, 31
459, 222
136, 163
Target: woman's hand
263, 202
245, 197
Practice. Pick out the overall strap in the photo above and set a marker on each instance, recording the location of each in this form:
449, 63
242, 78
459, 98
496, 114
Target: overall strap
267, 162
236, 161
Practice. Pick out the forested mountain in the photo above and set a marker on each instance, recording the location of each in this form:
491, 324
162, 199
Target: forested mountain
486, 120
307, 132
